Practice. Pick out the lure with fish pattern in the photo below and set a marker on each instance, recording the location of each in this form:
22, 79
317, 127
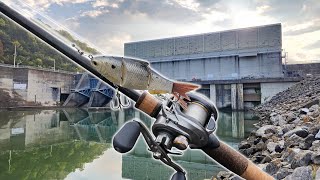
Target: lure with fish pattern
137, 74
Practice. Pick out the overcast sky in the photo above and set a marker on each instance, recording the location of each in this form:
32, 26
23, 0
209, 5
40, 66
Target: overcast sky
108, 24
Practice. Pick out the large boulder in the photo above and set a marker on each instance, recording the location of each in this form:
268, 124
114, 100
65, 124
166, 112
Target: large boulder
290, 153
273, 166
290, 116
267, 129
275, 147
301, 173
278, 120
226, 175
304, 111
315, 107
318, 174
315, 159
302, 158
244, 145
315, 146
293, 141
287, 127
307, 142
282, 173
318, 135
315, 128
298, 131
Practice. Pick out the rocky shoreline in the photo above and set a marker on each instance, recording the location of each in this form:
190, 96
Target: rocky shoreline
286, 143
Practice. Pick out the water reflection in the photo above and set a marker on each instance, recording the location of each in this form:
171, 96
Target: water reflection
75, 143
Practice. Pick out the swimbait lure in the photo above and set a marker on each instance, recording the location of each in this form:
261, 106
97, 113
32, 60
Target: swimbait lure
137, 74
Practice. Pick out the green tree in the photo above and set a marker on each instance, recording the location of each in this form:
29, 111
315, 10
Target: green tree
47, 163
38, 62
2, 22
1, 49
31, 50
16, 43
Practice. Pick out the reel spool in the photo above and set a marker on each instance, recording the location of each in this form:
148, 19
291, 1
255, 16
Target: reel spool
183, 127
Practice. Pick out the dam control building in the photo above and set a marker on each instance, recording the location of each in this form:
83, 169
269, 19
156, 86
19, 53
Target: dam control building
237, 68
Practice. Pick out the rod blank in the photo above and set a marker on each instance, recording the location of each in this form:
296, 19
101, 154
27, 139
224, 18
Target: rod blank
60, 47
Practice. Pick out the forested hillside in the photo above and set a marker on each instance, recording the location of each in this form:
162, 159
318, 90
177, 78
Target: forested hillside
31, 51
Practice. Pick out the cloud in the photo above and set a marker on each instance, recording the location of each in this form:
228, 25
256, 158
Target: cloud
100, 3
188, 4
94, 13
315, 45
171, 10
113, 43
110, 23
308, 27
44, 4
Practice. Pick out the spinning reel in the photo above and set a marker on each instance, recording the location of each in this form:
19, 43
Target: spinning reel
174, 127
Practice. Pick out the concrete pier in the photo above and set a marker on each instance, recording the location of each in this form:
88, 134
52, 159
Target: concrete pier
237, 97
213, 93
121, 118
234, 97
240, 102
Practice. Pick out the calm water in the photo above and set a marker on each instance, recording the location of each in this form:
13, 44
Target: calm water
76, 144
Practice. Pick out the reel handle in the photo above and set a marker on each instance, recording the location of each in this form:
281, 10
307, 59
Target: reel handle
126, 138
178, 176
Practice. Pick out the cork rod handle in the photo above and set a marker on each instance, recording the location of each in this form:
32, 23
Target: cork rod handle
148, 104
236, 162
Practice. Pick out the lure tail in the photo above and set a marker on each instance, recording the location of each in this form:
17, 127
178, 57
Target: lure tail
180, 89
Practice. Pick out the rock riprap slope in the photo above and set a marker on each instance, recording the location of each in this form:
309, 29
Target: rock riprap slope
286, 143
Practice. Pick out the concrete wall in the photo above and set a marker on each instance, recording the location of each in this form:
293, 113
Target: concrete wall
36, 85
223, 68
6, 77
239, 41
20, 82
303, 69
46, 86
236, 54
268, 90
45, 128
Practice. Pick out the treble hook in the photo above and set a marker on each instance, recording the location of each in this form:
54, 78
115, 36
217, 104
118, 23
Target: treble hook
120, 105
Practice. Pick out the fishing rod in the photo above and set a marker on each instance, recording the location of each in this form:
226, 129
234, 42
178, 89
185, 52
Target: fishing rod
174, 126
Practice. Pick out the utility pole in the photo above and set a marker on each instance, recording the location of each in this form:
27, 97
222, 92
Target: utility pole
15, 55
54, 65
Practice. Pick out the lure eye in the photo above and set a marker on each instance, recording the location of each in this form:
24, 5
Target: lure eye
95, 63
113, 67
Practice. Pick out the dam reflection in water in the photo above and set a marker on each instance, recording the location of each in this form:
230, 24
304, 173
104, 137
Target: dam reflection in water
76, 143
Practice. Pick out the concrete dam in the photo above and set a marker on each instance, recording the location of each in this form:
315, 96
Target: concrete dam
237, 69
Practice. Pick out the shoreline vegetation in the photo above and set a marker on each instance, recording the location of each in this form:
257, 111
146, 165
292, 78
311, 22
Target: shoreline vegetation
286, 143
33, 52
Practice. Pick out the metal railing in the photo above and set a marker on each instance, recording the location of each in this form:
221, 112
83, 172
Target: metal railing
36, 68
